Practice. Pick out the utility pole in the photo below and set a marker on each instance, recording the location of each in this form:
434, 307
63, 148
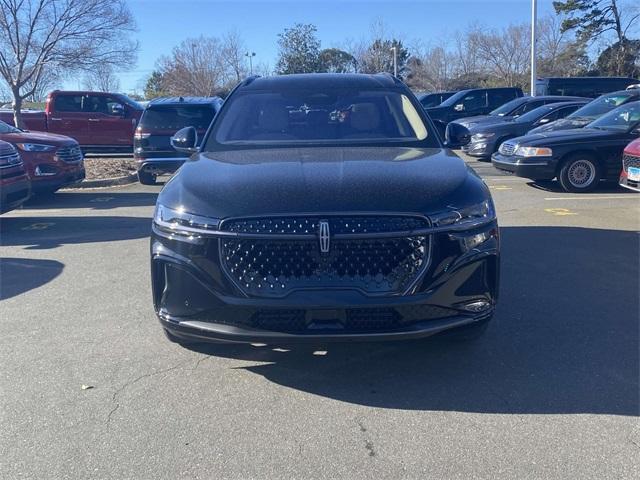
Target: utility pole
394, 49
250, 55
534, 74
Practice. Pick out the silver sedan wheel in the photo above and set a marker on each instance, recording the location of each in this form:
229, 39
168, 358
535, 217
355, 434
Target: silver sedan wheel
581, 173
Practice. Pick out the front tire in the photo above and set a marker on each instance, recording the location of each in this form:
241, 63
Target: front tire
146, 178
580, 173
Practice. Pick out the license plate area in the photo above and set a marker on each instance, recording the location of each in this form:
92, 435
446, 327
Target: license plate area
633, 174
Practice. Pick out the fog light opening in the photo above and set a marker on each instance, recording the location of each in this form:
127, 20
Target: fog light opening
477, 306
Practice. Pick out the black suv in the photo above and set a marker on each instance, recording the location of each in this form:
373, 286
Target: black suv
161, 119
323, 207
468, 103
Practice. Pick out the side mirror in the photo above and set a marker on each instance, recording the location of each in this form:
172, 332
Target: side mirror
117, 109
456, 135
542, 121
459, 107
185, 140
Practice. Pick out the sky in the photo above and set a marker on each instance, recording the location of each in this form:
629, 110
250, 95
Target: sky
162, 24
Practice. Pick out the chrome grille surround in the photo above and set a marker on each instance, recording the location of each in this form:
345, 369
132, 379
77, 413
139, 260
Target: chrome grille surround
72, 154
9, 157
507, 148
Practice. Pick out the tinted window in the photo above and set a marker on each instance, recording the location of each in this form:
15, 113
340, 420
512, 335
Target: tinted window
433, 100
586, 87
534, 114
68, 103
328, 116
175, 117
500, 97
602, 105
508, 107
474, 100
5, 128
101, 104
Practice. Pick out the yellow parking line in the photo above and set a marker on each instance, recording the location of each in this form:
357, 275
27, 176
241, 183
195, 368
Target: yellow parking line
499, 187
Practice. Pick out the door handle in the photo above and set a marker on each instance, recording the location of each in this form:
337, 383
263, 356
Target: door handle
94, 119
56, 119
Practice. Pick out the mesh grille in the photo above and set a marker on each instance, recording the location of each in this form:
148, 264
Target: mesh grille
69, 154
273, 268
337, 225
630, 161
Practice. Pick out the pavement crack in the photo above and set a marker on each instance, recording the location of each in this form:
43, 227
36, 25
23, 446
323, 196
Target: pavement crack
114, 397
368, 443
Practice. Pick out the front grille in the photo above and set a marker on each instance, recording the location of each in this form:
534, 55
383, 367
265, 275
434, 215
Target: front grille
69, 154
630, 161
9, 157
274, 267
507, 148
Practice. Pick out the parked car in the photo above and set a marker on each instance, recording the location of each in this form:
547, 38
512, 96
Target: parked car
591, 111
323, 207
15, 187
486, 138
428, 100
99, 122
468, 103
630, 174
582, 86
578, 158
52, 161
161, 119
514, 108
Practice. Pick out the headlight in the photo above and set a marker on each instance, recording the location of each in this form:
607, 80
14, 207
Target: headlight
481, 136
179, 222
35, 147
465, 218
533, 152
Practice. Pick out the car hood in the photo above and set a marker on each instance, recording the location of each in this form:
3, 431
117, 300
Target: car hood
38, 137
563, 124
564, 136
321, 180
471, 122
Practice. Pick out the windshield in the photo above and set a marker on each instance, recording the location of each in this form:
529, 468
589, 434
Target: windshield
622, 119
601, 106
6, 128
174, 117
329, 116
535, 114
508, 107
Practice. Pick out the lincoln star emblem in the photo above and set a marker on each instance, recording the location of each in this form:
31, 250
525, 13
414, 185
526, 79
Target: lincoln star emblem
325, 238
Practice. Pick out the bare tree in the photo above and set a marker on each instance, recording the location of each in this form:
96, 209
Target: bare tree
233, 56
63, 35
102, 79
49, 79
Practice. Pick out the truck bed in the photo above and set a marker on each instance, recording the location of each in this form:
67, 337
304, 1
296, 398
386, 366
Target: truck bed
34, 120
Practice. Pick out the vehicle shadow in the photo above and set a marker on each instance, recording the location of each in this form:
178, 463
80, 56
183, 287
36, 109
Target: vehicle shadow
49, 232
19, 275
104, 199
564, 340
553, 186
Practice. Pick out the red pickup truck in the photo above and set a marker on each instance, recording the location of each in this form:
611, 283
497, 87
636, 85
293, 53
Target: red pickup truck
99, 122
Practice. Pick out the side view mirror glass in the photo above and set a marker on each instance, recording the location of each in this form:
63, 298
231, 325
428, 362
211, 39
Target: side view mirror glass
117, 109
456, 135
542, 121
185, 140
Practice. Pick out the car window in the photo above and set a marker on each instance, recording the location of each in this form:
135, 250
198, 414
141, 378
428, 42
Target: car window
535, 114
174, 117
622, 118
499, 97
563, 112
67, 103
6, 128
101, 104
327, 116
429, 101
474, 100
508, 107
602, 105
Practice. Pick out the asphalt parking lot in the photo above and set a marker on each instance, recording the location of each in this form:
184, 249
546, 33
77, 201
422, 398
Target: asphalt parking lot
551, 391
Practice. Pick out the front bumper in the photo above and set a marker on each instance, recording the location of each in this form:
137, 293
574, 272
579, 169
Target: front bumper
194, 298
14, 192
630, 184
160, 166
536, 168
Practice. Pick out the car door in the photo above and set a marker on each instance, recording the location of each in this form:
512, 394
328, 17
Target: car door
67, 117
109, 124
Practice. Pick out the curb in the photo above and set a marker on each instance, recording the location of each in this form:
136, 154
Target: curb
107, 182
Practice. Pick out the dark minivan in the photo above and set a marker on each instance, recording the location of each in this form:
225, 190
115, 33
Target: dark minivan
582, 86
468, 103
161, 119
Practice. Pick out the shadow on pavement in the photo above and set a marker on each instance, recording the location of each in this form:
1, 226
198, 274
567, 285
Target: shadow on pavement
50, 232
564, 340
104, 199
19, 275
553, 186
